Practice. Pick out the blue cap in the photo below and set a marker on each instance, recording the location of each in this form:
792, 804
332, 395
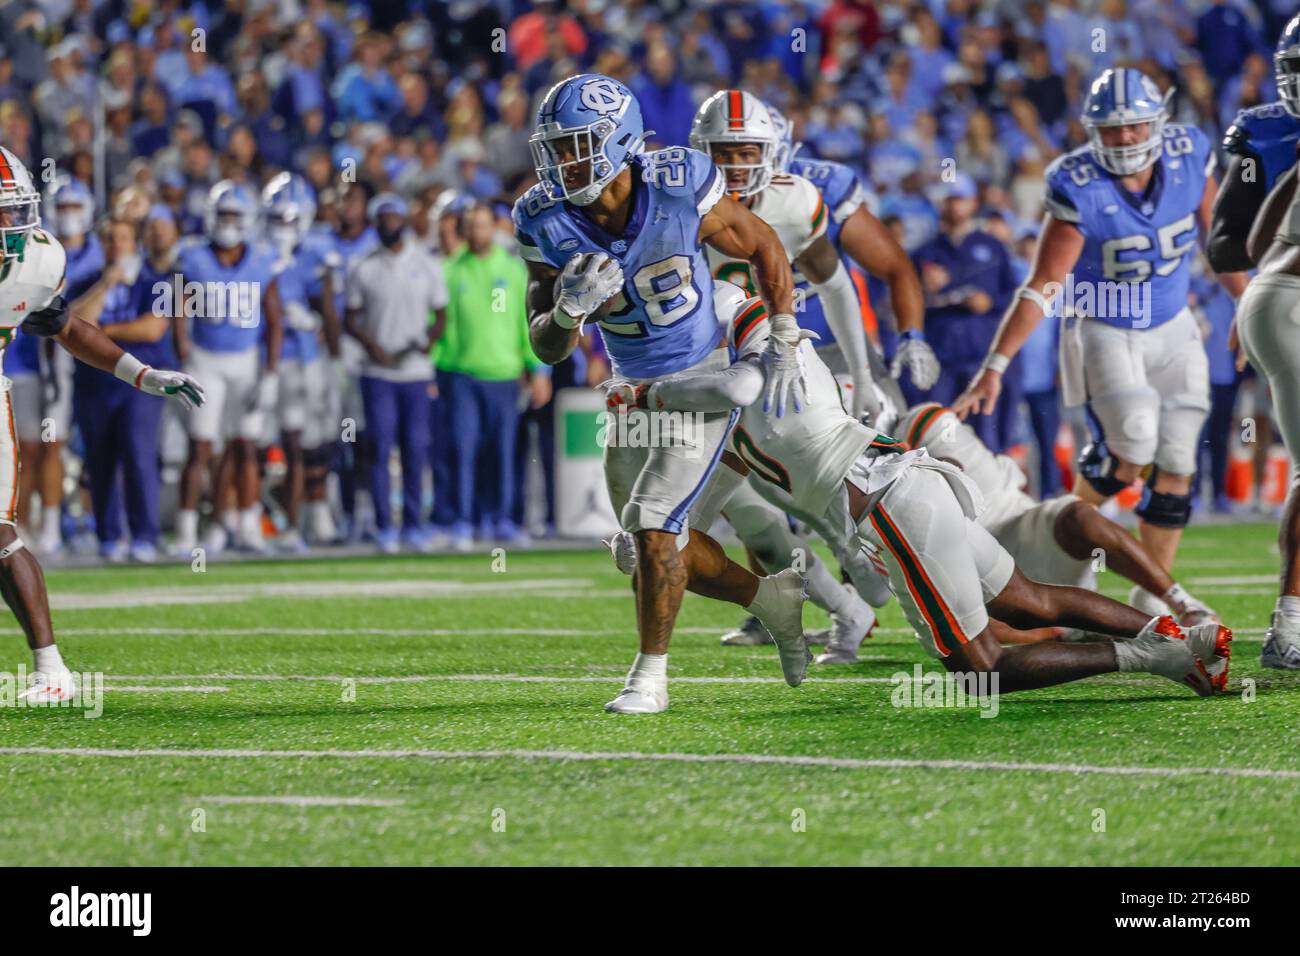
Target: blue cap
160, 211
386, 202
962, 187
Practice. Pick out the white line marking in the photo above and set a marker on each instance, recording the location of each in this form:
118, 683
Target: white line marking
303, 801
169, 689
381, 631
1231, 579
851, 763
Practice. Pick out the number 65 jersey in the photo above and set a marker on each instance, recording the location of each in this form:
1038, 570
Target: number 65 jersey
663, 320
1147, 238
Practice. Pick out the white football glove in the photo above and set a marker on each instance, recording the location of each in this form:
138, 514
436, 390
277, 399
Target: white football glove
586, 283
915, 354
268, 391
783, 365
164, 383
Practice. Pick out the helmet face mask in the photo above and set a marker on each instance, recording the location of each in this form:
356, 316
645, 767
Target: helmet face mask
230, 215
288, 210
734, 117
1286, 73
1124, 97
19, 206
589, 128
744, 178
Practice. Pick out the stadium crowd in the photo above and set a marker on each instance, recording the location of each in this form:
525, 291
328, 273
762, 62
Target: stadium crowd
412, 119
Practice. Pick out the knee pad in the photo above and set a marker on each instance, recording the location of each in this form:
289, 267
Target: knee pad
1097, 466
12, 548
1162, 509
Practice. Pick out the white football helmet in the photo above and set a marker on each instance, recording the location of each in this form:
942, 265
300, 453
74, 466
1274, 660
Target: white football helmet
734, 116
20, 206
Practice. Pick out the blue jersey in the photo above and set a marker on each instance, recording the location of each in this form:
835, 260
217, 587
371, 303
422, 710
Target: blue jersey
84, 267
843, 193
225, 304
334, 253
1267, 133
298, 280
1146, 240
663, 320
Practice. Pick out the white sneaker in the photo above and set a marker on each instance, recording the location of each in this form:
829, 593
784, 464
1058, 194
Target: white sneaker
847, 634
143, 552
641, 695
50, 545
1212, 644
1281, 649
1146, 602
786, 625
216, 539
49, 688
291, 542
1162, 648
751, 633
183, 548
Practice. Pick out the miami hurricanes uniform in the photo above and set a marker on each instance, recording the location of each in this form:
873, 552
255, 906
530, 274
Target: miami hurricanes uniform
1021, 524
1135, 353
27, 285
663, 322
943, 566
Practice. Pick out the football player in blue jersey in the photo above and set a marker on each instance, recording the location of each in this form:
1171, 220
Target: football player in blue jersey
1123, 218
614, 235
1261, 145
231, 310
288, 209
859, 236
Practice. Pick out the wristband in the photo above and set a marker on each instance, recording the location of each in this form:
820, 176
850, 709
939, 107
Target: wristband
1034, 296
566, 321
996, 362
912, 335
130, 369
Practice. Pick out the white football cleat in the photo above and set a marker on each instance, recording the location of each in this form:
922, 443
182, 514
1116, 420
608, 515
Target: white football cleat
1162, 648
847, 635
786, 625
750, 634
50, 688
641, 695
1281, 649
1146, 602
622, 546
1212, 644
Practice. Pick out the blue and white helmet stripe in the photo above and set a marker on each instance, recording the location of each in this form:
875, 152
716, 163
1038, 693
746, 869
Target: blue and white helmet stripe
590, 121
70, 207
229, 199
1125, 97
288, 209
1286, 67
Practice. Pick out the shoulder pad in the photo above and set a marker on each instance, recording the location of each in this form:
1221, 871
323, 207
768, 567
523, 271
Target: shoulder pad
45, 261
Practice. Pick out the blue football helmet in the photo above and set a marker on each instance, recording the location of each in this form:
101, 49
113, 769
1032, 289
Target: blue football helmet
71, 205
230, 214
786, 146
288, 209
1286, 67
587, 120
1125, 97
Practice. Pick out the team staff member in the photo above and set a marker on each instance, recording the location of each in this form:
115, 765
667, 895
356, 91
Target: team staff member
119, 426
392, 292
481, 359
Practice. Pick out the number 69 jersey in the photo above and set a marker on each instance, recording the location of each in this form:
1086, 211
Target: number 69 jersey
1147, 238
663, 320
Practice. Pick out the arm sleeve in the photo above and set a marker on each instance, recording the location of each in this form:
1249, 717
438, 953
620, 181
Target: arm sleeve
719, 390
1240, 199
844, 316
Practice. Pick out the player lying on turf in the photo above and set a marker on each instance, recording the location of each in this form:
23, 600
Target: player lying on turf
947, 571
32, 264
1059, 541
615, 235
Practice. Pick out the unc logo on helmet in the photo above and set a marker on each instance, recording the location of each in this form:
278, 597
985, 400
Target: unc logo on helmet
588, 129
1120, 98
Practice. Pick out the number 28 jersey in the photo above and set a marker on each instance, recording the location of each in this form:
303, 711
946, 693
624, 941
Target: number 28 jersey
663, 320
1130, 238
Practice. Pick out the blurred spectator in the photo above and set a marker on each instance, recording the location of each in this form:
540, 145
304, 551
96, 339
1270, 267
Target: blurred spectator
481, 359
393, 293
365, 91
120, 426
666, 102
1225, 38
1216, 310
528, 37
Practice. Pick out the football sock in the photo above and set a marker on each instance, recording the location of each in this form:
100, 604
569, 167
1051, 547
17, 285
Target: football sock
250, 523
1176, 597
48, 659
187, 524
1288, 606
649, 665
50, 520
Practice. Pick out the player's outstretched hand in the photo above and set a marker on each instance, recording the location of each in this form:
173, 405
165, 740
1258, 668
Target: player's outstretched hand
164, 383
981, 395
784, 368
586, 282
916, 356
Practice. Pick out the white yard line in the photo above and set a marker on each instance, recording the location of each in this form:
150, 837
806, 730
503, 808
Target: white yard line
849, 763
165, 689
302, 801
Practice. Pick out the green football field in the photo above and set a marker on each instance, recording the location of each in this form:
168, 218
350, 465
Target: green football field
446, 711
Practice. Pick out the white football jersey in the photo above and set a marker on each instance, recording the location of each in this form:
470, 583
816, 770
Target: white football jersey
27, 286
808, 453
941, 433
793, 207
